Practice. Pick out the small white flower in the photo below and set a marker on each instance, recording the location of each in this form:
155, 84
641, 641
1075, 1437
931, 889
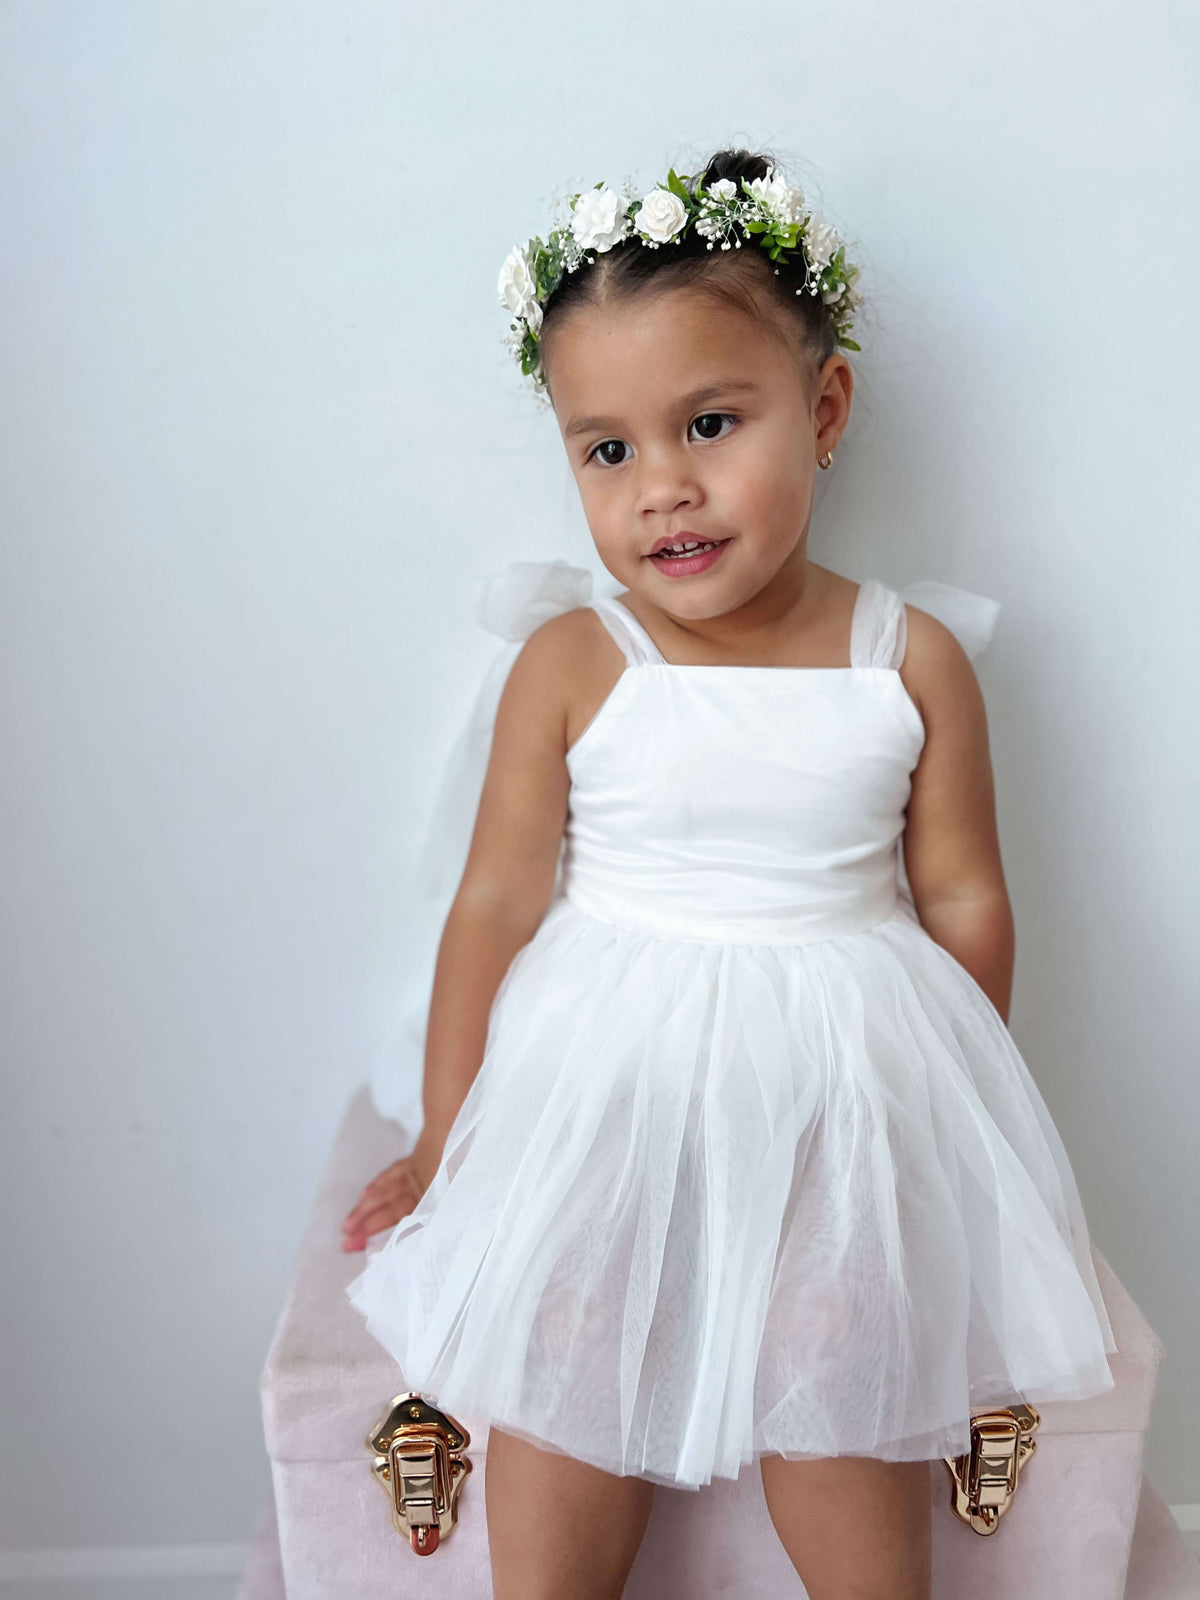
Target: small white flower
832, 296
661, 216
516, 287
724, 189
784, 202
820, 243
599, 220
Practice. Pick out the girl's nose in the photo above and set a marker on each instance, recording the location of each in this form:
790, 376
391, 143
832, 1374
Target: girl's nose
667, 485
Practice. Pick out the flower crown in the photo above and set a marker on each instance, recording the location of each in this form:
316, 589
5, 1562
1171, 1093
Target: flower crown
768, 212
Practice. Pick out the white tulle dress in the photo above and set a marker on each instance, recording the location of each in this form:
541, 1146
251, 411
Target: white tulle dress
751, 1163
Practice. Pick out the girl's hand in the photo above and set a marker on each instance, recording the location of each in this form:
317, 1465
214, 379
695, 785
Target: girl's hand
392, 1195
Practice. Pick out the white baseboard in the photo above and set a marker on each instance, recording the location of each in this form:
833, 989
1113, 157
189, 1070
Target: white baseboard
1188, 1520
124, 1561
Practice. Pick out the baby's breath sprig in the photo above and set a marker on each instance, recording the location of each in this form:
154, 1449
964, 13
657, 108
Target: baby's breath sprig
767, 212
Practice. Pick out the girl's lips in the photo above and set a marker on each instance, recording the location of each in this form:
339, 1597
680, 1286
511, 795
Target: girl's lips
686, 566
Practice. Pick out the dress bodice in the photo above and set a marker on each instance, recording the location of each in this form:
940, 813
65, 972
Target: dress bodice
745, 803
731, 802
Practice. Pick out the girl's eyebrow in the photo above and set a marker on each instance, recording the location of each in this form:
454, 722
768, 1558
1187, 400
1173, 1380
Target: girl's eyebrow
687, 402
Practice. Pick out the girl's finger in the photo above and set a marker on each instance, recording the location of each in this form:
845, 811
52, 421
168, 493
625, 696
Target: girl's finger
376, 1221
362, 1206
384, 1188
381, 1183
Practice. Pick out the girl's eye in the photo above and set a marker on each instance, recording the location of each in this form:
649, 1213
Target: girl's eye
609, 452
710, 424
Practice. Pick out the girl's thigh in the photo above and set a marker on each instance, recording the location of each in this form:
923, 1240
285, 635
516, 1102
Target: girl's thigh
559, 1529
854, 1528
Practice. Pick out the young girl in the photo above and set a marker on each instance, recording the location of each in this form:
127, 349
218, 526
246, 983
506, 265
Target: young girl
728, 1154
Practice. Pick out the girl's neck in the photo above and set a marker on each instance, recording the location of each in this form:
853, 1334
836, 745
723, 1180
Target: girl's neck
787, 619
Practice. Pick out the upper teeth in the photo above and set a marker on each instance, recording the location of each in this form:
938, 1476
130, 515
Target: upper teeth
688, 544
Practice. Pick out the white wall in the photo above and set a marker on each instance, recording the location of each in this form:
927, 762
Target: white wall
258, 436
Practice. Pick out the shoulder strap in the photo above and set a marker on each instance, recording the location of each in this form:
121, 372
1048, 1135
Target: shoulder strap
636, 644
878, 632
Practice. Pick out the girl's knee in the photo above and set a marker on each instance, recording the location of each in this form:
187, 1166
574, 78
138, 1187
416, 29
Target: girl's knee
558, 1527
853, 1527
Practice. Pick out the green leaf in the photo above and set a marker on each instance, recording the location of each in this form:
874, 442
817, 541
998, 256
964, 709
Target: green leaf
849, 344
676, 186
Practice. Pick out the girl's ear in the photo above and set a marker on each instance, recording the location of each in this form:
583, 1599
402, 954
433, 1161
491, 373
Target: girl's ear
835, 392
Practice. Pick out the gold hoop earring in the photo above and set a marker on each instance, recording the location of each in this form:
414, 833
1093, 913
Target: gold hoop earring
825, 460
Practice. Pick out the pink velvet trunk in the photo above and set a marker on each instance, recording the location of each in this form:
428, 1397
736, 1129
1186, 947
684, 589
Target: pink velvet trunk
1084, 1522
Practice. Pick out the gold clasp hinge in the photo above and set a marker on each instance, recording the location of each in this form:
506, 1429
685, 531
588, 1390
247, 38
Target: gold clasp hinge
420, 1465
984, 1481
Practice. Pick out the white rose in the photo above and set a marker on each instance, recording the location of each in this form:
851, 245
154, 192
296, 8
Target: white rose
820, 243
832, 296
599, 220
661, 216
516, 287
724, 189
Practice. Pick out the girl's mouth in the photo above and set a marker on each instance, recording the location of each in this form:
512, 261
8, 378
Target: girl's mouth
693, 555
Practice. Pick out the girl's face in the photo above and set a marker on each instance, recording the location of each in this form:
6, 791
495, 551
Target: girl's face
686, 419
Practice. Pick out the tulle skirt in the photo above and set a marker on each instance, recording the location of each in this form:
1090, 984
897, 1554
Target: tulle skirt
706, 1201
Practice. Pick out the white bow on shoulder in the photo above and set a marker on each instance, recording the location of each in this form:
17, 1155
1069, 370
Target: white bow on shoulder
521, 596
970, 617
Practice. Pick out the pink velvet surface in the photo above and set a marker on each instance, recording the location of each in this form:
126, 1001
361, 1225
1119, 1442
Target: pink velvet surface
1160, 1567
326, 1383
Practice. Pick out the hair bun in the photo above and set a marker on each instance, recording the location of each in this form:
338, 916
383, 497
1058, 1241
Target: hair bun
736, 165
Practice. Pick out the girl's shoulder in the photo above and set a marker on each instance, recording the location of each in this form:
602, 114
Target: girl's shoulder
944, 629
941, 615
567, 661
546, 607
574, 650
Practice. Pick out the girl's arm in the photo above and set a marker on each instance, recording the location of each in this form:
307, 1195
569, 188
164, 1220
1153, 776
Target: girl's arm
501, 898
951, 847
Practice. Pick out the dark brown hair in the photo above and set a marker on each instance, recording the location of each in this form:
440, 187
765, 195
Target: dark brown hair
745, 278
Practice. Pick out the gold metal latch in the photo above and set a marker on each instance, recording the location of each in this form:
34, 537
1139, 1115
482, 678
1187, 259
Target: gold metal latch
420, 1465
984, 1481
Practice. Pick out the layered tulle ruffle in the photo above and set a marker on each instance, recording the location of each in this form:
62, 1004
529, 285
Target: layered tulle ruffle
705, 1201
